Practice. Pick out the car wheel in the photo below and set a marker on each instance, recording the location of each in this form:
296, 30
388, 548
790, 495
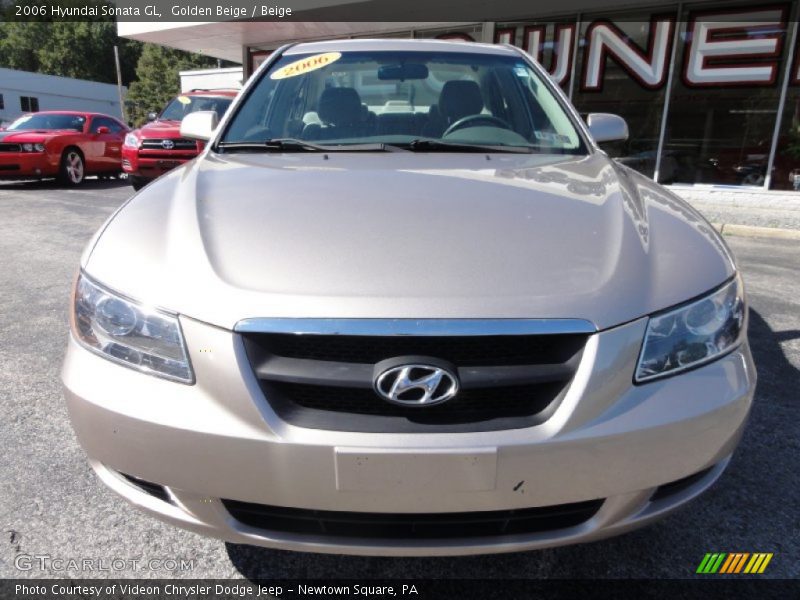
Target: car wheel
73, 170
754, 179
138, 182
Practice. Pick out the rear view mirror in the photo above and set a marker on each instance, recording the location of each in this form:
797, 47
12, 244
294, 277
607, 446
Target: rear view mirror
152, 116
199, 125
402, 72
606, 127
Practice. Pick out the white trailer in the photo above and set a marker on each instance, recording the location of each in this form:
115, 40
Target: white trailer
212, 79
22, 92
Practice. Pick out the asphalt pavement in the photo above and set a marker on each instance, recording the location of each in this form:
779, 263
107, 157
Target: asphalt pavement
52, 505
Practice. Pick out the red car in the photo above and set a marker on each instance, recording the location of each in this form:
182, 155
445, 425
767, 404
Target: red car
158, 146
64, 144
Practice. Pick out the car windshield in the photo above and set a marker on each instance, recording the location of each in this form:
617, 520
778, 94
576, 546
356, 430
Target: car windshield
428, 100
182, 105
48, 121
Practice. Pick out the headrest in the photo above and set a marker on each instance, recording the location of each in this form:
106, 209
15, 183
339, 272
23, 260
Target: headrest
339, 106
459, 99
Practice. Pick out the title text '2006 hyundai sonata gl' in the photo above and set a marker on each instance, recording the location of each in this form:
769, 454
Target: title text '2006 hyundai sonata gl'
403, 304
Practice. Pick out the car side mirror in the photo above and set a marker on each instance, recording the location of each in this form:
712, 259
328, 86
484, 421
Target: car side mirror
152, 116
199, 125
103, 129
606, 127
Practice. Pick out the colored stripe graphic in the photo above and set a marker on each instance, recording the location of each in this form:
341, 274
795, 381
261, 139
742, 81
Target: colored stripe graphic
741, 562
727, 564
711, 562
703, 563
734, 562
759, 562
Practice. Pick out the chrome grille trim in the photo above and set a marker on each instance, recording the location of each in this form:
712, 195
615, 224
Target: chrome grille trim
416, 327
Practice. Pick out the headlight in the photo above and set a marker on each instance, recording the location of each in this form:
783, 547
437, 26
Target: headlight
131, 141
32, 147
693, 334
137, 336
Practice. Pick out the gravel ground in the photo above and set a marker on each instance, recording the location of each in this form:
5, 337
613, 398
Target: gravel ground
52, 504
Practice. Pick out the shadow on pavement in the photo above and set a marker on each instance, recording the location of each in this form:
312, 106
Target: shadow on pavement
90, 183
750, 509
775, 372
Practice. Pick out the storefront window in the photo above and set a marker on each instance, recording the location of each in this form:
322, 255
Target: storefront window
622, 68
786, 167
725, 96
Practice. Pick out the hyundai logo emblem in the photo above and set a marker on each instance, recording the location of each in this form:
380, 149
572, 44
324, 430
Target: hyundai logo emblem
167, 144
416, 385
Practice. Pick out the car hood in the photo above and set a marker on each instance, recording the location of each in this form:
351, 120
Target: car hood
161, 129
408, 235
33, 135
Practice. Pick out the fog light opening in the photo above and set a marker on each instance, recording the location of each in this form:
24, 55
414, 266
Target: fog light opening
152, 489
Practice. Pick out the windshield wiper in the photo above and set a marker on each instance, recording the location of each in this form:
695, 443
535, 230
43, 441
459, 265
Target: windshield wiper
416, 145
428, 145
295, 145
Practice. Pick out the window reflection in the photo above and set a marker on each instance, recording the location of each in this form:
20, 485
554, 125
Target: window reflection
623, 68
725, 96
786, 168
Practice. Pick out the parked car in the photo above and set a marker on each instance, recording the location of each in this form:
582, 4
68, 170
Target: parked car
403, 304
157, 147
64, 144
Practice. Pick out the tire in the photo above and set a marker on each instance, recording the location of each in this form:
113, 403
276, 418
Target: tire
754, 179
138, 182
73, 169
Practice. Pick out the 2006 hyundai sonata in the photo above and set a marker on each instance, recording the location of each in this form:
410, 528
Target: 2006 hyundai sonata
403, 304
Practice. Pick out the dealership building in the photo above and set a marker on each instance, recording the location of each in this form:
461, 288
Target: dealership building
710, 90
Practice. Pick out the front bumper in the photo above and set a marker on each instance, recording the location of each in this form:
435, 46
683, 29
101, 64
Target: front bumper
27, 165
151, 164
219, 439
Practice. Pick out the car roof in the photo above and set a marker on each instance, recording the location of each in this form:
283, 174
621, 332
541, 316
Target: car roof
400, 45
76, 113
220, 92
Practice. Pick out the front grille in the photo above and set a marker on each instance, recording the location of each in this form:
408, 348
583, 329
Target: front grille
462, 351
10, 148
180, 144
326, 381
9, 167
506, 407
410, 526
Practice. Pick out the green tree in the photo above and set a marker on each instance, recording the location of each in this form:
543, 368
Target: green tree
158, 79
20, 44
84, 50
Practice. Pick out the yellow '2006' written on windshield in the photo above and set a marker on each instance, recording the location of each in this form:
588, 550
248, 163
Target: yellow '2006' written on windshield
305, 65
